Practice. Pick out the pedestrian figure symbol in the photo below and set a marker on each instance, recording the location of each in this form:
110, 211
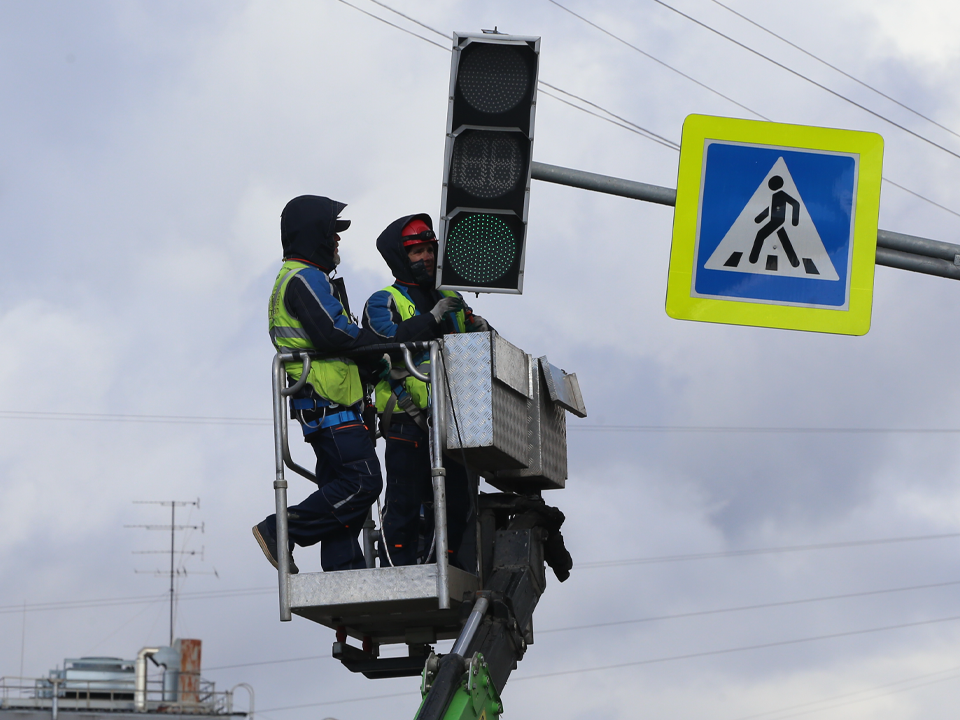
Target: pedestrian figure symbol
778, 214
787, 244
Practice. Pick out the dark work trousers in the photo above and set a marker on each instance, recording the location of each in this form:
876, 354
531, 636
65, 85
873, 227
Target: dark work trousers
409, 485
349, 479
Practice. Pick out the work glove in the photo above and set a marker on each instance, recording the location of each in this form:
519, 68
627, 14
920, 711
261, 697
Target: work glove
384, 366
446, 305
373, 369
478, 324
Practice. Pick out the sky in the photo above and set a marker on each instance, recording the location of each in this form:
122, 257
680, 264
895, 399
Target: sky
763, 522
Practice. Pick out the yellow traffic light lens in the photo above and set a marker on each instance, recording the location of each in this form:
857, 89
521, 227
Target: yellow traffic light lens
486, 164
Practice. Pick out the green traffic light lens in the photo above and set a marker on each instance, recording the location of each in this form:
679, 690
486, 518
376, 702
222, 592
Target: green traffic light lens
481, 248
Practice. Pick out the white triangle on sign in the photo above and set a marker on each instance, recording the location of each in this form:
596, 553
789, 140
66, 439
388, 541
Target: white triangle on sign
774, 234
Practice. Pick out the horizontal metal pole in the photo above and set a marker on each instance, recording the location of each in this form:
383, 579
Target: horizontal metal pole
917, 263
919, 246
604, 184
906, 252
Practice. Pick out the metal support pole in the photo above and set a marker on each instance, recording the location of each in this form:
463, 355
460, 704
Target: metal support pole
470, 627
369, 538
438, 421
917, 254
604, 184
280, 488
906, 252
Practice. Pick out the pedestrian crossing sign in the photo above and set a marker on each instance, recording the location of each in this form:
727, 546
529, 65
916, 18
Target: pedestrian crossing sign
775, 225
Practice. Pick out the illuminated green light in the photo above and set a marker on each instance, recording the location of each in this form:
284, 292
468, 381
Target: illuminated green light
481, 248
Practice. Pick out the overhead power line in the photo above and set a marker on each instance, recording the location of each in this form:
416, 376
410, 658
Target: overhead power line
660, 62
574, 427
613, 119
744, 608
743, 648
240, 592
813, 82
630, 125
750, 110
135, 600
759, 429
394, 25
835, 68
844, 696
409, 693
762, 551
913, 679
125, 417
656, 660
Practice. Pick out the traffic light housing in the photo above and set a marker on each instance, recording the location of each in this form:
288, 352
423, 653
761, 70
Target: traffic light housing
487, 160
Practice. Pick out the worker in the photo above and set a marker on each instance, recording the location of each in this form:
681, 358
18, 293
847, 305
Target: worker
309, 311
411, 310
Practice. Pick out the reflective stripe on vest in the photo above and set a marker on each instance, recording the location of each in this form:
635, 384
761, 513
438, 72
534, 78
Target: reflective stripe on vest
335, 379
417, 388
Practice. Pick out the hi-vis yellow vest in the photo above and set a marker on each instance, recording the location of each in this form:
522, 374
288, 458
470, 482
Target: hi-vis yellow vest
335, 379
416, 388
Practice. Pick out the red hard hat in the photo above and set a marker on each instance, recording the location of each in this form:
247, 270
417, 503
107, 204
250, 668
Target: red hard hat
417, 231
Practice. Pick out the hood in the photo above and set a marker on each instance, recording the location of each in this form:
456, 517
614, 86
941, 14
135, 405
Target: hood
390, 246
307, 227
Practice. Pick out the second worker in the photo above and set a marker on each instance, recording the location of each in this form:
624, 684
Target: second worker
411, 309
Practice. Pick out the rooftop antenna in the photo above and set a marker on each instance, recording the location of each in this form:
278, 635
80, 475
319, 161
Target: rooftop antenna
172, 527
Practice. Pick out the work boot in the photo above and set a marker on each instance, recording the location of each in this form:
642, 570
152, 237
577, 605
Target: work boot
268, 543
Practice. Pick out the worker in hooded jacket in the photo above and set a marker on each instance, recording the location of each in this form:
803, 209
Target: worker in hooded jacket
411, 309
309, 311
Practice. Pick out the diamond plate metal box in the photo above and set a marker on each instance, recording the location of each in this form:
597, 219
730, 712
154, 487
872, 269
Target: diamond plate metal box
490, 384
546, 441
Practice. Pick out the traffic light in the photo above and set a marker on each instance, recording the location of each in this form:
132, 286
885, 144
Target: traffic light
486, 167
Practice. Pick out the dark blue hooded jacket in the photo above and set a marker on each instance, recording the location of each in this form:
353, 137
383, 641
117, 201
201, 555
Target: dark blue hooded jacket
381, 315
308, 225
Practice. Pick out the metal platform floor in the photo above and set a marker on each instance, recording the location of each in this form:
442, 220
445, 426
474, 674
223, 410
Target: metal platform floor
388, 605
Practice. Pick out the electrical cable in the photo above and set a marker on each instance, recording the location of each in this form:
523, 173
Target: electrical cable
852, 694
393, 25
809, 80
649, 661
668, 144
214, 594
339, 702
763, 551
578, 427
383, 536
661, 62
642, 130
754, 112
124, 417
832, 67
747, 717
645, 133
741, 608
921, 197
744, 648
135, 600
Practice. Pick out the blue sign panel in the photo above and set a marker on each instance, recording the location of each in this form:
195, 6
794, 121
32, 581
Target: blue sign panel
775, 225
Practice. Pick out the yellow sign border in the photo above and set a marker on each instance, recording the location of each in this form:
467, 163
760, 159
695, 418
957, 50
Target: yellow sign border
680, 304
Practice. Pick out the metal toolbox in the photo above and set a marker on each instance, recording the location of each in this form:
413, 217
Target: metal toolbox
509, 411
490, 388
